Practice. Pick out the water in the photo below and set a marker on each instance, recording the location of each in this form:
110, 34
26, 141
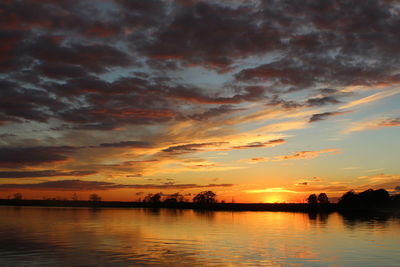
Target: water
32, 236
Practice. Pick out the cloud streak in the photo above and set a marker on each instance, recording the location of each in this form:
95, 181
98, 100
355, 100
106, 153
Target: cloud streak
372, 124
79, 185
43, 173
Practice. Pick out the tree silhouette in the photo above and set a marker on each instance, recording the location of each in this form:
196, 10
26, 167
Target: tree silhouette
174, 198
365, 200
153, 198
312, 199
17, 196
94, 198
205, 197
323, 198
75, 197
349, 199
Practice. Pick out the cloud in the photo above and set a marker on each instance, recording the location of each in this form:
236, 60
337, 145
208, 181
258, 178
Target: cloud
134, 144
18, 102
156, 79
308, 154
213, 112
261, 144
372, 124
190, 148
270, 190
325, 115
217, 146
371, 98
294, 155
211, 35
322, 101
79, 185
258, 159
21, 156
43, 173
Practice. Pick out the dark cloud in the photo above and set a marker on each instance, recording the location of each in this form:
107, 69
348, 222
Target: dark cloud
322, 101
109, 119
261, 144
338, 47
276, 101
211, 35
214, 112
20, 156
43, 173
76, 41
96, 185
10, 42
105, 65
60, 71
325, 115
94, 57
190, 148
7, 135
134, 144
215, 146
327, 91
17, 102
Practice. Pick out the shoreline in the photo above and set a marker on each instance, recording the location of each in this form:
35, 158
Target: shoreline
288, 207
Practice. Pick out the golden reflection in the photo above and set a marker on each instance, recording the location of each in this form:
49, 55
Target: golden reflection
167, 237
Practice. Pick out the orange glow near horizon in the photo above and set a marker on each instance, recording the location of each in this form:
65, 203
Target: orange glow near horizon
274, 199
133, 195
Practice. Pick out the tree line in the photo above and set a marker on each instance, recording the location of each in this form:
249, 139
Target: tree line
367, 199
204, 197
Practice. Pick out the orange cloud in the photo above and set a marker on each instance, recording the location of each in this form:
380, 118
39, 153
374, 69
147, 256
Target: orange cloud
308, 154
371, 98
372, 125
270, 190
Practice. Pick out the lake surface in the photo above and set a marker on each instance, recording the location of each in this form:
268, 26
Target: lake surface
33, 236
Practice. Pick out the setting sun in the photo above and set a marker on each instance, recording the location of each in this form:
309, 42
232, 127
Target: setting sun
274, 199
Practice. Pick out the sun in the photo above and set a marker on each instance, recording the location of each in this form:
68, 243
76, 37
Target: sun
274, 199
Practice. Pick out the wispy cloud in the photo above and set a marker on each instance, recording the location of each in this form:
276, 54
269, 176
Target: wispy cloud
372, 124
98, 185
43, 173
308, 154
322, 116
270, 190
371, 98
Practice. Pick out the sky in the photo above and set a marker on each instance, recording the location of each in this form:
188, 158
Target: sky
258, 101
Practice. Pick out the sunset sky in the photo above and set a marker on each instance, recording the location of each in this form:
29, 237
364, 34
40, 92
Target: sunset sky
258, 101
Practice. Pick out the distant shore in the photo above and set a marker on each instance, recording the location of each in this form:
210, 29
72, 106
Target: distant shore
290, 207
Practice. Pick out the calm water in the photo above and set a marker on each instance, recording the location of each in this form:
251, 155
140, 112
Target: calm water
140, 237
